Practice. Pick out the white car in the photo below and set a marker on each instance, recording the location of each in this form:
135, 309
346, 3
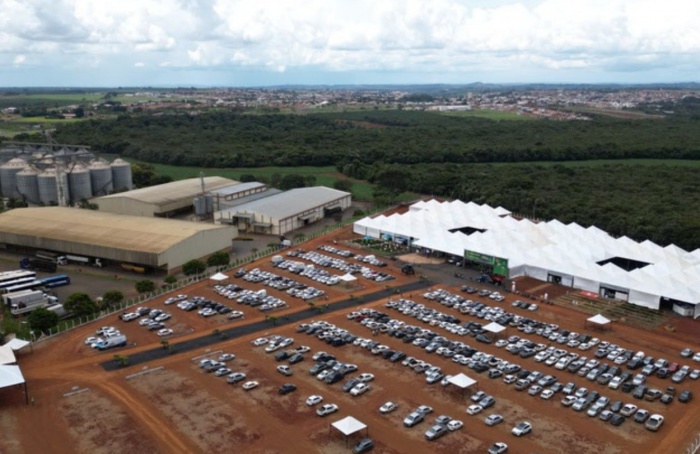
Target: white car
92, 340
314, 400
284, 370
547, 394
474, 409
105, 329
235, 314
454, 425
145, 321
364, 378
165, 332
260, 341
522, 428
388, 407
359, 388
492, 420
250, 385
326, 409
129, 316
227, 357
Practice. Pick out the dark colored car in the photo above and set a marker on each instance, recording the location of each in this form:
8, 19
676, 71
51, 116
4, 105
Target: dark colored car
287, 388
617, 420
364, 445
350, 384
685, 396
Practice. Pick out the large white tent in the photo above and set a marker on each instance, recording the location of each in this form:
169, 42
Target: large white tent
582, 258
11, 376
7, 356
348, 426
17, 344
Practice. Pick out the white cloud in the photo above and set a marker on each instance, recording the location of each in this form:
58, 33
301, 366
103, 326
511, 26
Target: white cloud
409, 36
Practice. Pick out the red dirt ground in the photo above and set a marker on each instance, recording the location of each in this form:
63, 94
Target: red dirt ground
181, 409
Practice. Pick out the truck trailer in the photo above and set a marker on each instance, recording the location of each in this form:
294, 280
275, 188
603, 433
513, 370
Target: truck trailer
27, 300
38, 264
53, 256
87, 261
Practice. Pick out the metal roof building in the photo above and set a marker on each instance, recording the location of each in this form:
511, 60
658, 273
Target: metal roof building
162, 244
161, 200
286, 211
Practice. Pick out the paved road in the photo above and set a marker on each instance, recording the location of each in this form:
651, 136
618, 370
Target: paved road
232, 333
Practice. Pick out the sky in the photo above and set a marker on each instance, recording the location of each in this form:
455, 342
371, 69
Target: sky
111, 43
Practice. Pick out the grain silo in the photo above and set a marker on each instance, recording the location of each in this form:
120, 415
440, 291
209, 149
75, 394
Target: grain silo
200, 206
8, 173
48, 189
27, 185
121, 175
100, 177
80, 187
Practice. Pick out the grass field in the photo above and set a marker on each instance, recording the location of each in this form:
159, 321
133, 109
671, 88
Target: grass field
489, 114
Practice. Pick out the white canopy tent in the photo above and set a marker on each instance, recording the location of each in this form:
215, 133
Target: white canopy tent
11, 376
348, 426
495, 328
462, 381
7, 356
219, 277
599, 320
582, 258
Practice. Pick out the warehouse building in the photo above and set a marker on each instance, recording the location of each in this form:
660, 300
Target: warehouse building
163, 200
280, 213
162, 245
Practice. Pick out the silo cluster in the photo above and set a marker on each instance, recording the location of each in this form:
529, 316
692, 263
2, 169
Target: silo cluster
40, 177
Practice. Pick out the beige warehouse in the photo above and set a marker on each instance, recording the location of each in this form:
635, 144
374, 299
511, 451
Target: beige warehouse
161, 200
161, 244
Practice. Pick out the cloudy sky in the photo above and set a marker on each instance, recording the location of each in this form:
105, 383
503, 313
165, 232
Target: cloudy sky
269, 42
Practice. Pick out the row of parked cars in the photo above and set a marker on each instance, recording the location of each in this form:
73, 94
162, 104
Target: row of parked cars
219, 368
152, 319
290, 286
342, 265
253, 298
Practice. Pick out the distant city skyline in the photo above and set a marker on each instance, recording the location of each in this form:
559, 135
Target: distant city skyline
86, 43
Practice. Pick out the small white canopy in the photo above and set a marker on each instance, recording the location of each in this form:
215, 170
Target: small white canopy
7, 356
17, 344
349, 425
348, 278
494, 327
599, 320
10, 376
218, 277
462, 381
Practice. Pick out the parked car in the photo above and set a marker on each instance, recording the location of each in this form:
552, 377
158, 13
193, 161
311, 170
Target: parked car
498, 448
685, 396
492, 420
474, 409
326, 409
287, 388
454, 424
435, 432
284, 370
250, 385
364, 445
522, 428
314, 400
388, 407
413, 419
359, 389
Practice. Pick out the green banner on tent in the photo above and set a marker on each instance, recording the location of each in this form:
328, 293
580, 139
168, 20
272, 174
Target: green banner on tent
500, 265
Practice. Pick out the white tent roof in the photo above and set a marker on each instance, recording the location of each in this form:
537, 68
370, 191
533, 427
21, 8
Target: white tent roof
218, 277
10, 376
7, 356
461, 381
599, 320
349, 425
565, 249
17, 344
494, 327
348, 278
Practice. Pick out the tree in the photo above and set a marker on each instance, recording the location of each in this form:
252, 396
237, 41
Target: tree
112, 298
80, 304
291, 181
343, 185
145, 286
42, 319
220, 258
193, 267
247, 178
170, 279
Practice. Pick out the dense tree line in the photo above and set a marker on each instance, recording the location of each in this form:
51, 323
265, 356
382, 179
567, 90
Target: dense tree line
656, 202
233, 139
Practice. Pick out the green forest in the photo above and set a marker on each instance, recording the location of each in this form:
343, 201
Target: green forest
541, 169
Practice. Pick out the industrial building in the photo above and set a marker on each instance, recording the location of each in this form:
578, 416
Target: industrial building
282, 212
162, 245
163, 200
582, 258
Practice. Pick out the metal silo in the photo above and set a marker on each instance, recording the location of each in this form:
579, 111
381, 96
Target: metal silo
80, 187
28, 186
200, 206
100, 177
121, 175
209, 204
48, 190
8, 173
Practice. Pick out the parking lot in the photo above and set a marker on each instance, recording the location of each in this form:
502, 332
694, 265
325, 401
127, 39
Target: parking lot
402, 349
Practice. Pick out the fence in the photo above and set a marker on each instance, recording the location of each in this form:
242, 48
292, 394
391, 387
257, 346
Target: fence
142, 298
